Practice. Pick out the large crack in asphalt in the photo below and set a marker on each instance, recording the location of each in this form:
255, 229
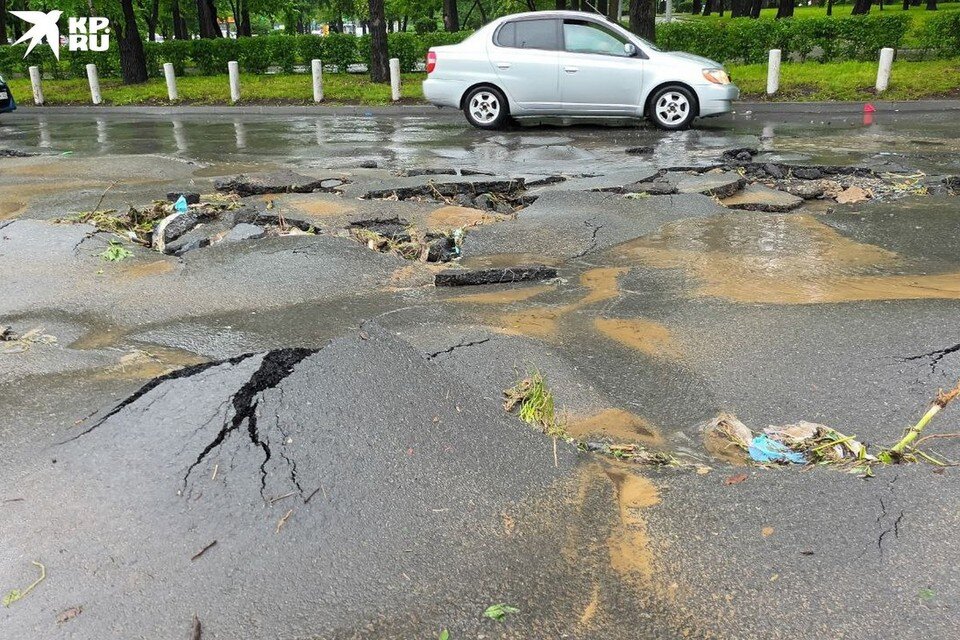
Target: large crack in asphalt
459, 345
934, 356
185, 372
275, 367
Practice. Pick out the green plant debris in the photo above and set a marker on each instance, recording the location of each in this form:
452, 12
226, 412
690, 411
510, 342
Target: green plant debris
927, 594
499, 611
116, 252
820, 444
135, 224
536, 405
444, 635
16, 594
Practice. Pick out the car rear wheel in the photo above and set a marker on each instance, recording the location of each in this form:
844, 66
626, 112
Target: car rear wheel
486, 108
673, 108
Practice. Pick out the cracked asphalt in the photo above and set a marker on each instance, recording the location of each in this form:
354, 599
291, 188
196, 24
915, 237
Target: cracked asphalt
334, 422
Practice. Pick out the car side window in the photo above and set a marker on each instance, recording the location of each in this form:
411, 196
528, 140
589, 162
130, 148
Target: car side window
580, 36
529, 34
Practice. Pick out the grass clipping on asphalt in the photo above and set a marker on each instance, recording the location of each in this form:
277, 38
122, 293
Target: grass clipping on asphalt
534, 403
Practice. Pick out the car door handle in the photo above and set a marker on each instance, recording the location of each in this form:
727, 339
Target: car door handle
571, 69
503, 65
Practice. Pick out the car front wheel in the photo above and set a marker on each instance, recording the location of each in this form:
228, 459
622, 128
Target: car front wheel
486, 108
673, 108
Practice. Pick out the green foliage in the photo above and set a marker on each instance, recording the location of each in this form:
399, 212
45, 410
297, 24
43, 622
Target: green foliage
116, 252
425, 24
339, 49
748, 40
212, 55
941, 34
499, 611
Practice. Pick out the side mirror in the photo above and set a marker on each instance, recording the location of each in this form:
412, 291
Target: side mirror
630, 49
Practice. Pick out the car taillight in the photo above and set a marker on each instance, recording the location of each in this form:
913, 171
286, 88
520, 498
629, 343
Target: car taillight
431, 61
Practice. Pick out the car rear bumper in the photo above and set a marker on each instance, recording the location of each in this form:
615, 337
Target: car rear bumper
443, 93
9, 104
717, 99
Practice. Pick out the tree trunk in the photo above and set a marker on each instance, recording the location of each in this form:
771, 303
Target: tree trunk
3, 22
561, 5
785, 9
739, 8
152, 18
245, 28
696, 8
642, 18
451, 20
861, 7
931, 5
720, 8
829, 7
179, 24
602, 7
613, 8
133, 62
379, 64
906, 5
207, 19
755, 8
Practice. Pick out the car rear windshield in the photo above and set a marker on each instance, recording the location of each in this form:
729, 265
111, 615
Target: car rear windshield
529, 34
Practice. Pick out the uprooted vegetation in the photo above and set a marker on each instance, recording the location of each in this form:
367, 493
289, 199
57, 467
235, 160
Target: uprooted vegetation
534, 403
817, 444
395, 235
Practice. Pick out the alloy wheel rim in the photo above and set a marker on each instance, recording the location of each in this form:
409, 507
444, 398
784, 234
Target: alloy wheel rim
672, 107
484, 107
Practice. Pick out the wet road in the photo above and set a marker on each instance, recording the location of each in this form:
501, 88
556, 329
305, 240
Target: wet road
432, 503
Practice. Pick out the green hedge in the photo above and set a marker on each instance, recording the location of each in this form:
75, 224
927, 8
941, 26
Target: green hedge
748, 40
740, 40
941, 34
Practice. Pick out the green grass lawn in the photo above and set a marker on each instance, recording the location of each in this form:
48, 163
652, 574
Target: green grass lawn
808, 81
254, 89
852, 81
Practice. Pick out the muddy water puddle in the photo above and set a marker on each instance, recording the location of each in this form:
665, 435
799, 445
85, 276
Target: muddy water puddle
617, 424
791, 259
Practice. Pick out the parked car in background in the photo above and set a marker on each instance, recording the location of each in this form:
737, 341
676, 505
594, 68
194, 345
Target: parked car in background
572, 64
7, 103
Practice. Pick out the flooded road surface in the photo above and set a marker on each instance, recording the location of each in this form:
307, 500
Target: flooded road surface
294, 433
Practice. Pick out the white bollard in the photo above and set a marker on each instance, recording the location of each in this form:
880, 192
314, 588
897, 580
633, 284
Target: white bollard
171, 75
883, 71
394, 79
35, 82
668, 13
234, 70
317, 67
773, 72
94, 79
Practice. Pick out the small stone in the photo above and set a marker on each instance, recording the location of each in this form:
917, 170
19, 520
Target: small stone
743, 156
463, 200
244, 231
484, 202
442, 249
773, 171
806, 190
191, 198
807, 173
852, 195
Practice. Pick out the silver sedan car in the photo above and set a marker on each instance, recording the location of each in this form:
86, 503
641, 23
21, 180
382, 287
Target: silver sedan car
571, 64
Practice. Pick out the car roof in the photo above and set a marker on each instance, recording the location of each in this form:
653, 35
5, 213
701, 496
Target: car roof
556, 14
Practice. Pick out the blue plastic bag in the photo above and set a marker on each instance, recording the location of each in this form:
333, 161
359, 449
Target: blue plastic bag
180, 205
763, 449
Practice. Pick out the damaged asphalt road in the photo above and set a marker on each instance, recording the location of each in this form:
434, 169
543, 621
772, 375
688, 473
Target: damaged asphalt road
296, 434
